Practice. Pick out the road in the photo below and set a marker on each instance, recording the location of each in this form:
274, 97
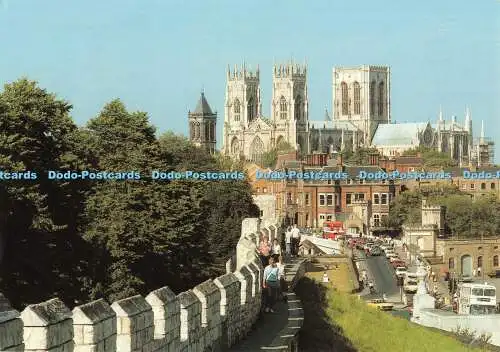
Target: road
382, 274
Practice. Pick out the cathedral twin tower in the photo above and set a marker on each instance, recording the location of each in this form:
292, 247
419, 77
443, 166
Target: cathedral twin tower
361, 102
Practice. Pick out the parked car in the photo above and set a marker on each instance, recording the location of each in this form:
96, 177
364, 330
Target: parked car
397, 263
394, 259
410, 284
494, 274
400, 271
391, 255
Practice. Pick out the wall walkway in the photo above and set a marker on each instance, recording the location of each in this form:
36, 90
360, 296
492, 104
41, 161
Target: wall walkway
213, 315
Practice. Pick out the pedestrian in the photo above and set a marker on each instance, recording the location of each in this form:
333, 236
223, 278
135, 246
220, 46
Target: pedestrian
288, 242
271, 285
276, 248
283, 287
295, 240
264, 251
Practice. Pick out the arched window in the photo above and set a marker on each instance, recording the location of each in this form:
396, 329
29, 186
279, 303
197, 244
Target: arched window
298, 108
197, 133
283, 108
235, 146
192, 131
381, 95
256, 150
357, 98
207, 131
237, 110
451, 263
480, 262
212, 131
372, 98
345, 98
483, 185
492, 186
495, 260
251, 109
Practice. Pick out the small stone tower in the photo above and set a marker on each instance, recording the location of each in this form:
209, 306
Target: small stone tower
433, 216
202, 125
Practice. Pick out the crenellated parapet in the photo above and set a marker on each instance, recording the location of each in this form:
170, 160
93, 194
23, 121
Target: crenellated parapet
213, 315
242, 73
290, 70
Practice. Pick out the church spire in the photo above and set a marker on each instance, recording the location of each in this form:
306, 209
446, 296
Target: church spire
482, 132
327, 116
440, 113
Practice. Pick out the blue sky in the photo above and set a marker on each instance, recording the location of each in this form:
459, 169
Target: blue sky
157, 55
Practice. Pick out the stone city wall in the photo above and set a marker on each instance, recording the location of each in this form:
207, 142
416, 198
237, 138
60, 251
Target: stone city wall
213, 315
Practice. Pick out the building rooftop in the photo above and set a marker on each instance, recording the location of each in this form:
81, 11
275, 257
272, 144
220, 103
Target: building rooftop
334, 125
398, 133
203, 108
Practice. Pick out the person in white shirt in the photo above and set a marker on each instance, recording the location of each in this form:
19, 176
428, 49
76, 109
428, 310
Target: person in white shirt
271, 284
288, 241
276, 248
295, 240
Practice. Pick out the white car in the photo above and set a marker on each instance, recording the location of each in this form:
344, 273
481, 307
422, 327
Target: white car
390, 253
400, 271
410, 285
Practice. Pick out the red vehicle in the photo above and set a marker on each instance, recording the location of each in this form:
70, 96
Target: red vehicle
397, 263
333, 229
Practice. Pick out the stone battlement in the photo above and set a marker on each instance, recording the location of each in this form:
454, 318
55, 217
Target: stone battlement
213, 315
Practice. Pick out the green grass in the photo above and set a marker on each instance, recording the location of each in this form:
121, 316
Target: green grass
338, 321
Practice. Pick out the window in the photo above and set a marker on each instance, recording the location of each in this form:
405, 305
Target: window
492, 186
359, 196
464, 186
495, 260
361, 182
480, 262
376, 198
472, 186
283, 108
376, 220
251, 109
357, 103
192, 130
381, 94
479, 248
372, 98
348, 198
298, 108
451, 249
307, 200
329, 199
383, 199
451, 263
322, 217
337, 200
289, 197
322, 200
329, 218
261, 213
349, 181
264, 190
237, 110
258, 189
307, 219
483, 185
345, 98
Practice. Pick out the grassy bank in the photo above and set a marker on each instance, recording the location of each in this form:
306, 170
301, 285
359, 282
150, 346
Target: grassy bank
339, 321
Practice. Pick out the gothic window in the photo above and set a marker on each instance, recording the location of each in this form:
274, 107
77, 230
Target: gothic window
345, 98
479, 261
197, 133
237, 110
451, 263
212, 131
235, 146
495, 260
357, 99
192, 130
283, 108
251, 109
256, 150
207, 131
298, 108
381, 94
372, 98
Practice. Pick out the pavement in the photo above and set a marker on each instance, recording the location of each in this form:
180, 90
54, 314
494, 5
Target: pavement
269, 325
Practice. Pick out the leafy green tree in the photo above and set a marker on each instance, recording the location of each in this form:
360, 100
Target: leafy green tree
432, 159
270, 158
39, 217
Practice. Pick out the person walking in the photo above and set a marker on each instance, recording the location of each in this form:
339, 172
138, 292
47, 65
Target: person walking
271, 284
276, 249
295, 240
281, 270
288, 242
264, 251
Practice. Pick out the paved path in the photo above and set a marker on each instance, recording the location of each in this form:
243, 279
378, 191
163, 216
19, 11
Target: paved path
269, 325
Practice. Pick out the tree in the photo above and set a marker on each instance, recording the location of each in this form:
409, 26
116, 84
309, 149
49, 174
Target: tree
360, 156
432, 159
270, 158
38, 216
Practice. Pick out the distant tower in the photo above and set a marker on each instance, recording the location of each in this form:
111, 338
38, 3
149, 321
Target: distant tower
290, 105
202, 125
243, 105
361, 95
470, 140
